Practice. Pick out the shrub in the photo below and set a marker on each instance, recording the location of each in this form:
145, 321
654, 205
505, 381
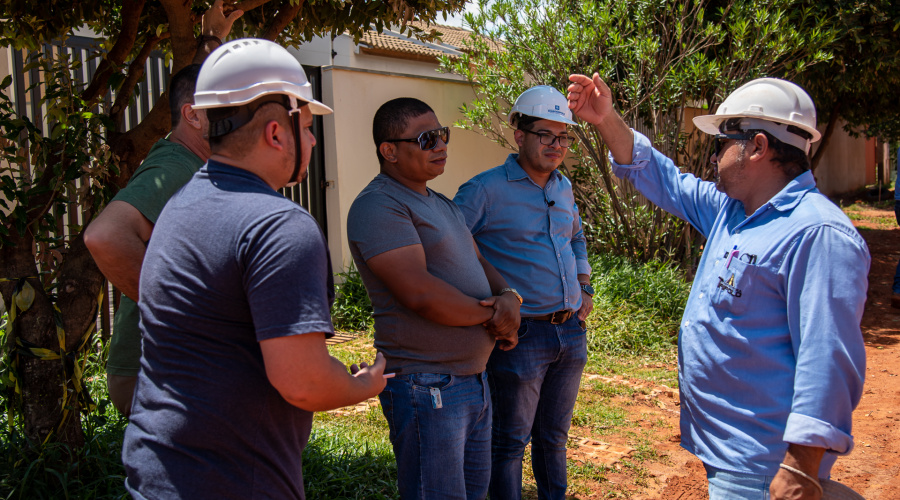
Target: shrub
352, 309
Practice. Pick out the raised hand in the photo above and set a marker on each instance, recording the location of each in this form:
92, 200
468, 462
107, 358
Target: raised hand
590, 98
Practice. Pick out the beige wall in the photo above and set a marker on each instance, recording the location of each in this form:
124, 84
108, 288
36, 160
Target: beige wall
843, 166
350, 161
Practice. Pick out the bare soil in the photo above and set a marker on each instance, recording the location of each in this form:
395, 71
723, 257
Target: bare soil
872, 468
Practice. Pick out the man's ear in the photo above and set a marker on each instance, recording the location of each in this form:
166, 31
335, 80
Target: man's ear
519, 137
274, 135
388, 150
758, 147
191, 115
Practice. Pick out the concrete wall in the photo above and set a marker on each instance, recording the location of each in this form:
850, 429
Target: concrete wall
843, 167
350, 161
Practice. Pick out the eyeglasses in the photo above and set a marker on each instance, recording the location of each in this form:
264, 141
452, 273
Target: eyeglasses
548, 139
719, 140
428, 140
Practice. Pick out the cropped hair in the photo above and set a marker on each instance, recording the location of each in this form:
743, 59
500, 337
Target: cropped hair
181, 90
524, 122
392, 118
792, 160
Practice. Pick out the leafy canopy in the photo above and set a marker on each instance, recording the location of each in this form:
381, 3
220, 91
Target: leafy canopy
664, 60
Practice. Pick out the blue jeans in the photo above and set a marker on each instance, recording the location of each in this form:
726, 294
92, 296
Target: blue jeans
442, 453
896, 287
728, 485
533, 388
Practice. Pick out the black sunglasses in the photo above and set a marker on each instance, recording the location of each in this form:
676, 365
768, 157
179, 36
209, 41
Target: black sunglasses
548, 139
428, 140
719, 140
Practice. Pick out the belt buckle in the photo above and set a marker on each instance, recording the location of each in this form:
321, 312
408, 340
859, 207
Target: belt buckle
559, 317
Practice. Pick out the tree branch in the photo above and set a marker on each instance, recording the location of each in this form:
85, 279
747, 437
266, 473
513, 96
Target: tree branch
131, 17
285, 15
135, 73
181, 31
248, 5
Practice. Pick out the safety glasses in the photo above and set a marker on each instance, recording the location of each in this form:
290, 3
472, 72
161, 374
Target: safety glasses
428, 140
548, 139
719, 140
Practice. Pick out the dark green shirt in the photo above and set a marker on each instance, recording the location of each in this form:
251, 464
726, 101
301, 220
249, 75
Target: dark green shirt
166, 169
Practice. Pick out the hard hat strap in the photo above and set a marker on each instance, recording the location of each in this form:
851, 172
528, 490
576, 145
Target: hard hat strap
298, 156
225, 120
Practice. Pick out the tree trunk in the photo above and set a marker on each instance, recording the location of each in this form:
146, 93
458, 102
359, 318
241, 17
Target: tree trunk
832, 121
42, 381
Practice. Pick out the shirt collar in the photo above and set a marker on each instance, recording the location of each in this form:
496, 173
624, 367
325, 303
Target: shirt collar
515, 172
793, 192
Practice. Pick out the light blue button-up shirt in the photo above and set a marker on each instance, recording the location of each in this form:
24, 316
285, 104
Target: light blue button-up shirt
770, 347
532, 236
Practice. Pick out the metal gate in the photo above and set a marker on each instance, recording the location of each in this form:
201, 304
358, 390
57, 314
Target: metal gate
27, 89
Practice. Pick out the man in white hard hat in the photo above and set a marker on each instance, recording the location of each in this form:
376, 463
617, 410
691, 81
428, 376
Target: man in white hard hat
235, 290
771, 357
118, 237
524, 218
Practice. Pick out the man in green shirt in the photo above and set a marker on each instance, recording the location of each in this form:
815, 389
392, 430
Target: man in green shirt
118, 237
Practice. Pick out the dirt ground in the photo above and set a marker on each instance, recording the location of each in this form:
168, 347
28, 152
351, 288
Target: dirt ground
873, 467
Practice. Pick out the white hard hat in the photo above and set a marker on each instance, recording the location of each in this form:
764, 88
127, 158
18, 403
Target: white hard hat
776, 106
241, 71
544, 102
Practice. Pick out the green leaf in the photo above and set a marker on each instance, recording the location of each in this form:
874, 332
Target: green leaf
24, 296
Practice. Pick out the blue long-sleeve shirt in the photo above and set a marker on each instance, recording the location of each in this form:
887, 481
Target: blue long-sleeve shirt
770, 347
532, 236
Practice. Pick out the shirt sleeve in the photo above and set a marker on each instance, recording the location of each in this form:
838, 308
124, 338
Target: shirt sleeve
660, 181
155, 182
472, 200
287, 276
579, 244
377, 223
826, 294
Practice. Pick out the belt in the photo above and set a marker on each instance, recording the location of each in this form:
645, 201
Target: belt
556, 318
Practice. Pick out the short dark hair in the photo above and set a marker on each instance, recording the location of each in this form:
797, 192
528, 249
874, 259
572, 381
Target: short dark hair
392, 118
239, 142
181, 90
792, 160
524, 122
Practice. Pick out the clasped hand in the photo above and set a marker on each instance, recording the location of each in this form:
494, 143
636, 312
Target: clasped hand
504, 324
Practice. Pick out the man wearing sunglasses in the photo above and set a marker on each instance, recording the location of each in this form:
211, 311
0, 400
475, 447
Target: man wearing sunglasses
771, 357
523, 216
439, 307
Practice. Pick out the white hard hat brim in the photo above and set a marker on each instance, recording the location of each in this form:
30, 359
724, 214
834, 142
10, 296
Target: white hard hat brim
213, 99
710, 123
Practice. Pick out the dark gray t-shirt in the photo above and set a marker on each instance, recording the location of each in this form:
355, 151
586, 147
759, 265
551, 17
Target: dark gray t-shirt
387, 215
231, 263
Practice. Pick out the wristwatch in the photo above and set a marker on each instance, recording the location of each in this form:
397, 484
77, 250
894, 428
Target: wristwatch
588, 289
513, 291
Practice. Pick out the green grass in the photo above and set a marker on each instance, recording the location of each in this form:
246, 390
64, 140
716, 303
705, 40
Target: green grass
346, 461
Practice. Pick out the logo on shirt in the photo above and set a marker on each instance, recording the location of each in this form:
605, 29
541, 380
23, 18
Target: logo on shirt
728, 286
